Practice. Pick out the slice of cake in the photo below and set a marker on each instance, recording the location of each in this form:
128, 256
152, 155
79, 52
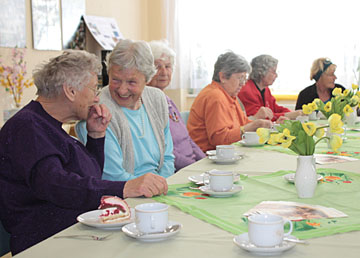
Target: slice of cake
115, 210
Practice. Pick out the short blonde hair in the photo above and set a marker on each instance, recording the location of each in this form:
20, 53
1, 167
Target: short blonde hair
320, 66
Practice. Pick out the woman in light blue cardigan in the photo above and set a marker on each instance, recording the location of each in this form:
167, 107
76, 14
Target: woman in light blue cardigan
138, 138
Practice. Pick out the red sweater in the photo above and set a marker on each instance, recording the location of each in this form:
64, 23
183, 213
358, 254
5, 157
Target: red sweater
251, 97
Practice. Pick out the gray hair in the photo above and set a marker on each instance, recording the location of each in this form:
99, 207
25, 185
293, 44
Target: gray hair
260, 66
129, 54
73, 68
161, 47
228, 64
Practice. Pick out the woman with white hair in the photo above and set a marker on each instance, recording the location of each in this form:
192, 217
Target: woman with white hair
185, 149
138, 139
256, 93
216, 116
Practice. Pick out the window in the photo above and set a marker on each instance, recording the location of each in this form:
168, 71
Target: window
294, 32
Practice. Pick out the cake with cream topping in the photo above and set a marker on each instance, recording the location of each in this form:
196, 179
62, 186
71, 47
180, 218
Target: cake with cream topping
115, 209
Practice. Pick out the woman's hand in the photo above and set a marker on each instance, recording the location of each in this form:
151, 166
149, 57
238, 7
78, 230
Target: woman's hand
294, 114
264, 113
147, 185
258, 123
98, 120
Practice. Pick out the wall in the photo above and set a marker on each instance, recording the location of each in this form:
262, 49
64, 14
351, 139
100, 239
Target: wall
137, 19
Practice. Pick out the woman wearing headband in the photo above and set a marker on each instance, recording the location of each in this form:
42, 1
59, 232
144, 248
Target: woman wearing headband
323, 72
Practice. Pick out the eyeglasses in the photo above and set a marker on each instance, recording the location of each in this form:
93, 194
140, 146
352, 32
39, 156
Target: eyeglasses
97, 91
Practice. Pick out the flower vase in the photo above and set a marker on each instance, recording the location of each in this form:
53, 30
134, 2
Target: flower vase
351, 119
305, 176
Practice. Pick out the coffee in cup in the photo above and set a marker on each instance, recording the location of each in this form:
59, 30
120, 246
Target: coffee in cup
267, 230
219, 181
225, 151
251, 138
151, 217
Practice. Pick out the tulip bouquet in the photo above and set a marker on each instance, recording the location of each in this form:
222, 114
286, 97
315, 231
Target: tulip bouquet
12, 77
299, 137
341, 103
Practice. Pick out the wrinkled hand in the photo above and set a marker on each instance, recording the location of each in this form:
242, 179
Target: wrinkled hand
258, 123
293, 114
147, 185
264, 113
98, 120
281, 119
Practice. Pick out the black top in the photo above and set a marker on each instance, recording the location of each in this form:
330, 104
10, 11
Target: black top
308, 94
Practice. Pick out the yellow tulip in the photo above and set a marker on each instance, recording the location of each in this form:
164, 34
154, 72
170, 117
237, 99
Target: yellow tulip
346, 92
317, 101
347, 110
319, 132
358, 94
307, 109
337, 92
264, 135
335, 142
354, 86
274, 139
285, 138
309, 128
313, 106
336, 124
328, 106
354, 100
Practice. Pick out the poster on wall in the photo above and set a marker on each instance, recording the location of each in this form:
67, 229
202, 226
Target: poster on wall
13, 23
104, 29
71, 13
46, 24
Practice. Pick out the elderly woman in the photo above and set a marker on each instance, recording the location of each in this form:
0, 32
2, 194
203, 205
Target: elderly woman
138, 139
47, 177
185, 149
323, 72
216, 116
256, 94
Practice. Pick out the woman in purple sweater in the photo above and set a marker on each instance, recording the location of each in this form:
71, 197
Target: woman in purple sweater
185, 149
48, 178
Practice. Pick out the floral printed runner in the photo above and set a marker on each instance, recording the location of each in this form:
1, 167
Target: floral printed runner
338, 189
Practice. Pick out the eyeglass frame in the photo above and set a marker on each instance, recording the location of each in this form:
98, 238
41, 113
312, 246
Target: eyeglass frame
97, 91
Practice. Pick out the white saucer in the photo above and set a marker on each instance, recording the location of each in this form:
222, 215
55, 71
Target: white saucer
131, 231
243, 242
291, 177
92, 219
199, 179
206, 189
218, 160
213, 153
250, 145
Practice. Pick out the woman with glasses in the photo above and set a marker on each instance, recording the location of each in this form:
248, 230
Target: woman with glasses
323, 72
48, 178
186, 150
216, 116
256, 94
138, 139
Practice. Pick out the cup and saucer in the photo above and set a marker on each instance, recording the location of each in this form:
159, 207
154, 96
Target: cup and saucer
266, 235
220, 184
250, 139
225, 154
151, 223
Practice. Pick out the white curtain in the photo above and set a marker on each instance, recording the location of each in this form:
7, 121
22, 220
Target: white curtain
294, 32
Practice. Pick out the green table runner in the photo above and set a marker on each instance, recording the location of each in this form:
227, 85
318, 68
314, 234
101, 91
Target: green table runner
339, 190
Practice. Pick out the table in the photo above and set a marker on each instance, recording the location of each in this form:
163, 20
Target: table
198, 238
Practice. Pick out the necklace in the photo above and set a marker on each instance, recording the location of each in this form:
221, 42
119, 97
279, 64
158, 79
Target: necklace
142, 120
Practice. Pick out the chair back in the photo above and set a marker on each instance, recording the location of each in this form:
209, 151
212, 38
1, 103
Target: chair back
4, 241
185, 115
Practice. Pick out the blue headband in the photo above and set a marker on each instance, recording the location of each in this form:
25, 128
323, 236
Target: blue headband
326, 63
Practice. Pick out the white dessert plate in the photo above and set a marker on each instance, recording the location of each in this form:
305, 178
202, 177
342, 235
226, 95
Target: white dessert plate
131, 231
199, 179
213, 153
244, 242
250, 145
218, 160
92, 219
291, 177
206, 189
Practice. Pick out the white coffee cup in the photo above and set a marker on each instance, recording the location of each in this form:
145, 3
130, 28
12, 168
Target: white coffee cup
267, 230
151, 217
219, 181
251, 138
225, 151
